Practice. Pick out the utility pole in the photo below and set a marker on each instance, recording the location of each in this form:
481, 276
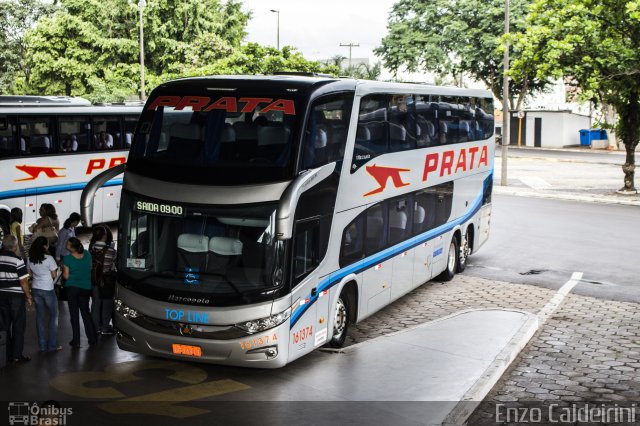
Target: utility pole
350, 45
505, 101
278, 36
143, 96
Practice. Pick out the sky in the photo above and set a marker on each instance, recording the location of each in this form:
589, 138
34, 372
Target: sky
317, 28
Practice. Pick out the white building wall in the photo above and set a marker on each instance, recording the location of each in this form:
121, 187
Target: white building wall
559, 129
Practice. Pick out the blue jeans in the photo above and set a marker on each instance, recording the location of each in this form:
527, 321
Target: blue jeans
46, 300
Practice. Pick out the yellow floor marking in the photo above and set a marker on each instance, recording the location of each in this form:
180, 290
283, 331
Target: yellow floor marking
75, 383
148, 404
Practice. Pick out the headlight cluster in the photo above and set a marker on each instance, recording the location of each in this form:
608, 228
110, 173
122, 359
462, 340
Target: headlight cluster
266, 323
125, 310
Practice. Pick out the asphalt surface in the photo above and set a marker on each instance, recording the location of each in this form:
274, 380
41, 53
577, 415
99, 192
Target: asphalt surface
542, 242
583, 155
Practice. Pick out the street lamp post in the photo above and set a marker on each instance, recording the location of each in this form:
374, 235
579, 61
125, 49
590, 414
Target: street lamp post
141, 6
350, 46
278, 12
505, 101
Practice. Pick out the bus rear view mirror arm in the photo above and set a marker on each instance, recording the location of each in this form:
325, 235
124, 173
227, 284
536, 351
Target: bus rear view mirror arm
291, 196
86, 199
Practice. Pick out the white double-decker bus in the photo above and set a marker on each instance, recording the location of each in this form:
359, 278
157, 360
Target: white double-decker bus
262, 215
51, 146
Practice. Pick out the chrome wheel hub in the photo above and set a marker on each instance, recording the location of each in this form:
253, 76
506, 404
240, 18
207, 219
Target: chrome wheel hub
340, 320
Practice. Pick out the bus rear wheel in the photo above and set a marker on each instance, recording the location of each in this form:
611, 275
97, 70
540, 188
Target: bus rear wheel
453, 260
465, 250
340, 321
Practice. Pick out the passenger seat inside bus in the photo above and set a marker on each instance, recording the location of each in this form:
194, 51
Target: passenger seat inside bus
271, 141
185, 141
397, 224
192, 251
224, 253
246, 139
40, 144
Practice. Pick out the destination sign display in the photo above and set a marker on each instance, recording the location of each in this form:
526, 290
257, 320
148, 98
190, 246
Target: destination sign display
159, 208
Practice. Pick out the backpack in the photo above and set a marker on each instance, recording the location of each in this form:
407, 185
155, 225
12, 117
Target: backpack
106, 281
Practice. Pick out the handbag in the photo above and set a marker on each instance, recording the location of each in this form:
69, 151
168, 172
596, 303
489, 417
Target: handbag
48, 231
60, 289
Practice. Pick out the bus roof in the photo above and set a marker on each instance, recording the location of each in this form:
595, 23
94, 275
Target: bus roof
33, 101
311, 82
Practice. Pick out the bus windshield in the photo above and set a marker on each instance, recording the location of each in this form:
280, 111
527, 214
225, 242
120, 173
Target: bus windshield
221, 138
226, 255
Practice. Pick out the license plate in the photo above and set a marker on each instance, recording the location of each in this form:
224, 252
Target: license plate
187, 350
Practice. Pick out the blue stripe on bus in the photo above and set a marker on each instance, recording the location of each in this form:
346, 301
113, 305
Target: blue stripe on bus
52, 189
384, 255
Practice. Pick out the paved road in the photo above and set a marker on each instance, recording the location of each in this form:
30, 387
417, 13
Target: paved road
584, 155
542, 242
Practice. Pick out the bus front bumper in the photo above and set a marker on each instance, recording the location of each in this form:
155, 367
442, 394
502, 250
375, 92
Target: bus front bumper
267, 349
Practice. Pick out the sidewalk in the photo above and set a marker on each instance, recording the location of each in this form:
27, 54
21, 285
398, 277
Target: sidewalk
561, 179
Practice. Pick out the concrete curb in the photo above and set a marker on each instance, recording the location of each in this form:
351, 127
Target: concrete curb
603, 199
479, 390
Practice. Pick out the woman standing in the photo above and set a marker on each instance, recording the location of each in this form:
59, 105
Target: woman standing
77, 272
68, 230
103, 273
47, 226
43, 269
15, 228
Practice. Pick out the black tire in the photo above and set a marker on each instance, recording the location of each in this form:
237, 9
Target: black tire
465, 251
341, 321
453, 260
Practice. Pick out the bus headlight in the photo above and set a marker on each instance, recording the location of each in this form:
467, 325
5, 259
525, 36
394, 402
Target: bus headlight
262, 324
125, 310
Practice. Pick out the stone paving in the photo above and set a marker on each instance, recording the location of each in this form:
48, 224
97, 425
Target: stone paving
436, 299
588, 351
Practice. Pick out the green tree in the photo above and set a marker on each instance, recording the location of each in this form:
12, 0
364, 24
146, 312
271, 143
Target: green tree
451, 37
597, 45
16, 17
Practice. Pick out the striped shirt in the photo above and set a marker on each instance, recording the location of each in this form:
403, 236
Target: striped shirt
12, 270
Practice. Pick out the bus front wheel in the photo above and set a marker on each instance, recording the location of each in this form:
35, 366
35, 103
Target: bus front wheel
340, 321
453, 260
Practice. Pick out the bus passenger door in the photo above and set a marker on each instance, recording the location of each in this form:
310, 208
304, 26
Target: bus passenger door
321, 333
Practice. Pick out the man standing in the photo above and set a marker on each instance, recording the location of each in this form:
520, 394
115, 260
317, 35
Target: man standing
14, 287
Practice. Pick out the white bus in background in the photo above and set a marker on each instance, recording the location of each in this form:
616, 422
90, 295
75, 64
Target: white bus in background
51, 146
261, 215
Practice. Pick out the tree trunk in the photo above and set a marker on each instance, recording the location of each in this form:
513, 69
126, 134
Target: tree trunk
631, 122
67, 89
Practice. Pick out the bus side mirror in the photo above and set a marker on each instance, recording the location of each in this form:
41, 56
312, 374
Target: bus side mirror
86, 199
289, 200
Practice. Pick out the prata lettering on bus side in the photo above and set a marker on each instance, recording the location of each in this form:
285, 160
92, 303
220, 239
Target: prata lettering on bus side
186, 316
465, 161
96, 164
228, 103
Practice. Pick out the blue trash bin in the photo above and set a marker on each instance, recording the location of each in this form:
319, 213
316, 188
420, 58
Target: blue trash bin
585, 139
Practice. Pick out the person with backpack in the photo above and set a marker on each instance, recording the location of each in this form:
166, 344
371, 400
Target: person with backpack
43, 270
103, 279
76, 270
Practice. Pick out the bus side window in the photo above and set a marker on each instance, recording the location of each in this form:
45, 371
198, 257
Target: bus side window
8, 137
448, 120
399, 220
36, 136
306, 248
371, 135
427, 122
375, 230
424, 211
74, 134
107, 133
326, 133
352, 241
401, 123
130, 122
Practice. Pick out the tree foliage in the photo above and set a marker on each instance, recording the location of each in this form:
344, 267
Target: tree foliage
597, 46
451, 37
90, 47
16, 17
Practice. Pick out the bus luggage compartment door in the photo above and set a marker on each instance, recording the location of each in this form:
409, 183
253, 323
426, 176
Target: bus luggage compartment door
376, 284
422, 263
402, 279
